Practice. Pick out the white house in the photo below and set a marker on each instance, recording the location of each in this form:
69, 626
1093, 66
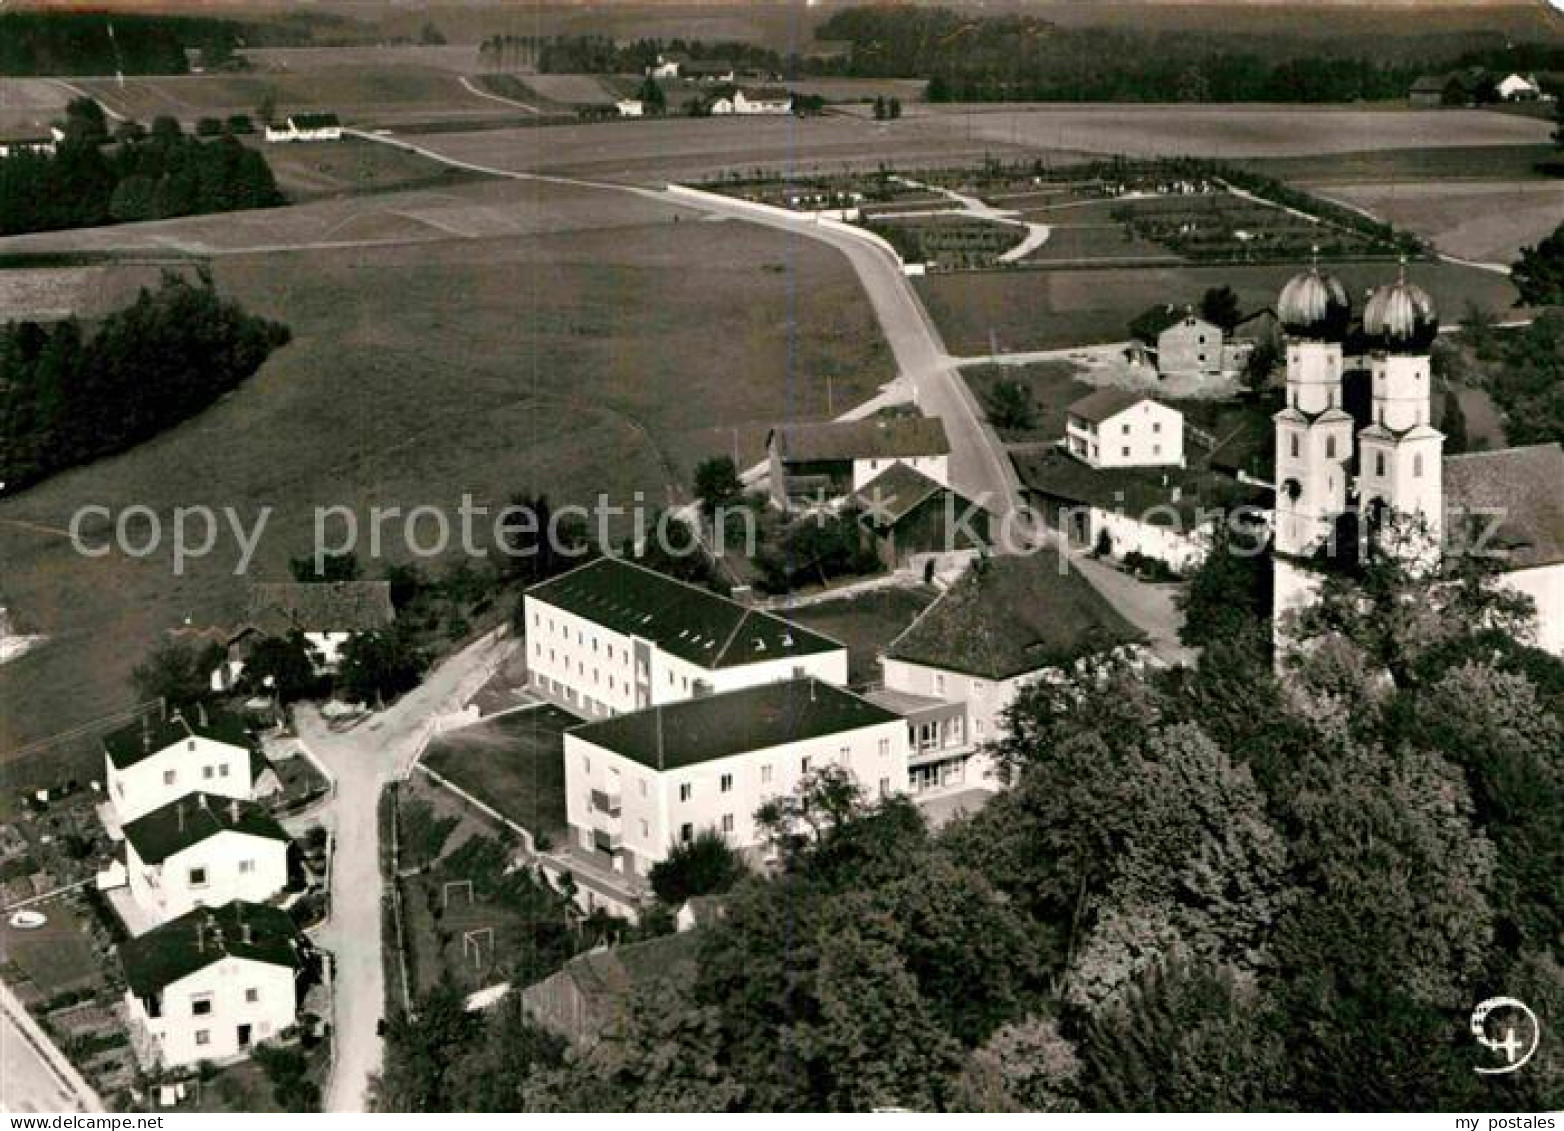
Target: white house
214, 982
613, 636
667, 66
1007, 622
1120, 428
1190, 346
639, 783
41, 144
1518, 88
305, 127
630, 108
811, 463
150, 763
752, 100
204, 851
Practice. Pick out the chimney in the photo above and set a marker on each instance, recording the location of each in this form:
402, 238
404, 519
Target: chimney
203, 800
246, 936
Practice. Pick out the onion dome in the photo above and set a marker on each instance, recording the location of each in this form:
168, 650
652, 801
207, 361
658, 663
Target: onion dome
1315, 305
1400, 317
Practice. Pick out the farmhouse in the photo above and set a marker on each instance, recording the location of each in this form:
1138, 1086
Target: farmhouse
1007, 622
707, 70
214, 982
612, 636
1518, 88
914, 520
201, 851
814, 463
42, 144
640, 783
150, 763
1386, 464
305, 127
668, 66
1121, 428
630, 108
751, 100
1190, 346
326, 612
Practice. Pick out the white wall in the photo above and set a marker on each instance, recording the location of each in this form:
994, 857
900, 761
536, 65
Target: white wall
936, 468
986, 700
166, 891
191, 764
1545, 586
652, 812
1181, 549
228, 983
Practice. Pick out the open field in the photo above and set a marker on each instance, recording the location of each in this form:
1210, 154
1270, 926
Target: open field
516, 763
56, 957
571, 89
47, 293
1032, 310
28, 106
567, 363
1233, 130
866, 623
1052, 385
1446, 163
351, 166
1488, 222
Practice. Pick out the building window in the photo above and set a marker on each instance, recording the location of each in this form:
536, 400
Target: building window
586, 763
198, 877
1156, 426
1126, 452
685, 791
803, 764
1417, 466
247, 867
1156, 449
208, 772
1330, 447
1292, 445
168, 777
939, 683
844, 754
885, 787
203, 1037
646, 830
885, 747
200, 1005
727, 783
1124, 429
686, 832
727, 822
222, 771
765, 774
252, 995
1379, 463
643, 787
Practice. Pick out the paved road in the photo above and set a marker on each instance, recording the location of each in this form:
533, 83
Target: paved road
34, 1075
363, 760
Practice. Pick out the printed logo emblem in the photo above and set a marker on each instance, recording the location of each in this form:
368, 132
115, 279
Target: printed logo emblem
1507, 1026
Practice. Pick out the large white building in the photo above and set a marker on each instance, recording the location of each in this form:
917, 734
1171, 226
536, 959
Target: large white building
1122, 428
204, 850
639, 783
1385, 477
752, 100
611, 637
150, 763
214, 982
1007, 622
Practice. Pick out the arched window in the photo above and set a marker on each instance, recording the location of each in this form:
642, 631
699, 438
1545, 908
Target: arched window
1292, 489
1417, 466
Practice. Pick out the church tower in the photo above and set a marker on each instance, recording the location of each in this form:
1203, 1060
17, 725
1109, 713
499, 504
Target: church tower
1400, 453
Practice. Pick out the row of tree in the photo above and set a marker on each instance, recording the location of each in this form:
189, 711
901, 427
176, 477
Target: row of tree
96, 43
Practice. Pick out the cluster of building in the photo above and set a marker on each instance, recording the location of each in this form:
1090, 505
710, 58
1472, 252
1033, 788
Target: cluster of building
1475, 86
212, 965
305, 127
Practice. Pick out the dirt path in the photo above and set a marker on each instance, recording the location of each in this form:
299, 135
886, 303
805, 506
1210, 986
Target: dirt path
481, 93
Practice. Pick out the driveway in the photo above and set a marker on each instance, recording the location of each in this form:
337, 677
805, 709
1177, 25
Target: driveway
364, 759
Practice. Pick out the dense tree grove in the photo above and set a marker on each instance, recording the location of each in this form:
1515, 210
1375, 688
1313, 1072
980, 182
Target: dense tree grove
74, 395
80, 43
146, 175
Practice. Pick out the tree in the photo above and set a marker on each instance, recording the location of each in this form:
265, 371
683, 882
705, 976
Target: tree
1219, 306
178, 672
652, 96
240, 124
1453, 424
430, 35
1027, 1065
717, 482
284, 667
329, 568
1009, 405
879, 108
287, 1071
85, 122
704, 865
380, 665
208, 127
421, 1049
1260, 365
893, 108
129, 131
1539, 273
266, 108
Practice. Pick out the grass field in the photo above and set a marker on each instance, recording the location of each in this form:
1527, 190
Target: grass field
572, 363
1033, 310
516, 763
1485, 221
55, 957
866, 623
355, 166
28, 106
1052, 385
1451, 162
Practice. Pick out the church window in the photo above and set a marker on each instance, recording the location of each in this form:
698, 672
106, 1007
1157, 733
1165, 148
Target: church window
1417, 466
1330, 447
1294, 445
1379, 463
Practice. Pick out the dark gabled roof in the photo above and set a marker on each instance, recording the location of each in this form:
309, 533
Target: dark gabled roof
1011, 615
193, 818
281, 607
1522, 485
735, 722
684, 620
207, 935
895, 493
1146, 493
1104, 404
141, 740
707, 66
874, 437
313, 121
766, 93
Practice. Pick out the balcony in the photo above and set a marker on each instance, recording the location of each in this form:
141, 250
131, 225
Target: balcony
605, 841
605, 802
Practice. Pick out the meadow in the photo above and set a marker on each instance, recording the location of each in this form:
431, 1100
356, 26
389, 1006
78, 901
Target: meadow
569, 363
1485, 221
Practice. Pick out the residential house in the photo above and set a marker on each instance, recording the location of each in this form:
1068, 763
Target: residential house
707, 70
212, 983
1454, 88
204, 850
914, 520
1007, 622
1518, 88
1122, 428
326, 612
813, 463
149, 763
637, 784
630, 108
1190, 346
668, 66
29, 141
751, 100
305, 127
612, 636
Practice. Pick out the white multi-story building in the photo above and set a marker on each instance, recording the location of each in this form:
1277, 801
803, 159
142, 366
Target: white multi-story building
204, 851
1007, 622
637, 784
214, 982
150, 763
612, 637
1120, 428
